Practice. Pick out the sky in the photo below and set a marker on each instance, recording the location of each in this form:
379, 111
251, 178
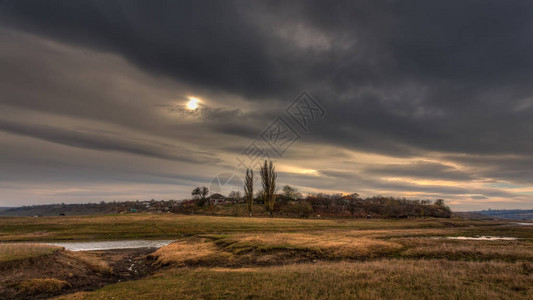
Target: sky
416, 99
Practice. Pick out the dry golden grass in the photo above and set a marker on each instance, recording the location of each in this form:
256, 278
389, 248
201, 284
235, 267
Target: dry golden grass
323, 244
42, 285
380, 279
90, 260
190, 252
271, 248
12, 252
263, 248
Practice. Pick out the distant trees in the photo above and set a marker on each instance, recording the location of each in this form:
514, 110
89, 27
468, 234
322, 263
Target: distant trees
388, 207
200, 194
235, 195
268, 180
249, 190
353, 202
291, 203
291, 192
195, 193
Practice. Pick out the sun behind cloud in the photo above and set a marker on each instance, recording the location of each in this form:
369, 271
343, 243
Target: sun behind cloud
193, 103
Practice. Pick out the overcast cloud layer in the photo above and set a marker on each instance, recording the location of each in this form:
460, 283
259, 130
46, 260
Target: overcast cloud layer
423, 99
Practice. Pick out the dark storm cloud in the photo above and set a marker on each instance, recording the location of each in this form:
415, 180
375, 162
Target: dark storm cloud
212, 43
397, 75
44, 171
517, 169
106, 142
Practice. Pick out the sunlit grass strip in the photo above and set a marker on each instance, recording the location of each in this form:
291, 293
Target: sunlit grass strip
333, 244
188, 252
42, 285
13, 252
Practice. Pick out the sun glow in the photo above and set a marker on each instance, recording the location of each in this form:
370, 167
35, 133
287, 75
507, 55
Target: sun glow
193, 103
297, 170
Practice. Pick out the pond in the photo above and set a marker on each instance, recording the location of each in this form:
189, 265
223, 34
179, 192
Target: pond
111, 245
522, 224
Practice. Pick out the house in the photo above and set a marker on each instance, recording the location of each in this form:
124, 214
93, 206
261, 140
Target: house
216, 199
160, 206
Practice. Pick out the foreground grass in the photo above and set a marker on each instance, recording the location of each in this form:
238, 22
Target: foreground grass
170, 225
424, 248
246, 258
14, 252
383, 279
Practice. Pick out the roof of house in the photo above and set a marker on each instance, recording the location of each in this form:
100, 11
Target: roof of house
216, 196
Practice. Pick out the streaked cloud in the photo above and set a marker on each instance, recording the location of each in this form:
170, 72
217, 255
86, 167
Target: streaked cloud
427, 100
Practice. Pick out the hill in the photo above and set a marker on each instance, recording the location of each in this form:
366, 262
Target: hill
473, 215
313, 206
72, 209
511, 214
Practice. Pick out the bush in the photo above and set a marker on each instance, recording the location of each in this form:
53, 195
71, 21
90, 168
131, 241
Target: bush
301, 209
43, 285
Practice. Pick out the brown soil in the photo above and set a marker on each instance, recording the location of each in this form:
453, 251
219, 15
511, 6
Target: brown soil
126, 264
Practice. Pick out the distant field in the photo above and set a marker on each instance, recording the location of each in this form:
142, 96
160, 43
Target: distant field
133, 226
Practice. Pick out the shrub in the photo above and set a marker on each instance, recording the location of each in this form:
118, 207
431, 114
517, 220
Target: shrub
43, 285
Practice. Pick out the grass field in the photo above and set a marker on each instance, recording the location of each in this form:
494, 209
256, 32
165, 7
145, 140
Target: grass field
263, 258
170, 225
382, 279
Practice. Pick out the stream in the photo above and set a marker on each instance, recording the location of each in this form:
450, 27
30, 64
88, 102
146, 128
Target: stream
111, 245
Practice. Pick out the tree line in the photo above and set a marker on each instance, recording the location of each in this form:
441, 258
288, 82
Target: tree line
292, 203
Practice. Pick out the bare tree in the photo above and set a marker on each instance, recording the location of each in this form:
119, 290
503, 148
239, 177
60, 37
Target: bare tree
196, 193
200, 193
204, 191
249, 190
268, 179
235, 195
353, 202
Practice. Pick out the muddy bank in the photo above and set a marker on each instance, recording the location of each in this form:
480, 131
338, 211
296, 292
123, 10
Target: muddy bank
80, 271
